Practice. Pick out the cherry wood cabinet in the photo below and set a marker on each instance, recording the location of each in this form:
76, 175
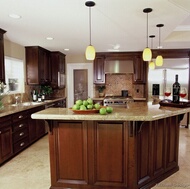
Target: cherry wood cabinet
140, 70
113, 154
57, 65
99, 75
6, 148
36, 127
2, 65
18, 131
38, 65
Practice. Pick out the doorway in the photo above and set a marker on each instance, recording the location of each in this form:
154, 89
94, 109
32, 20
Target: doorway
79, 82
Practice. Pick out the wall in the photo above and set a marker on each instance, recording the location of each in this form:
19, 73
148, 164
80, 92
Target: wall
117, 82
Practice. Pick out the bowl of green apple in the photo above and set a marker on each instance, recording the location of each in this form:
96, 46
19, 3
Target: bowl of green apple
88, 107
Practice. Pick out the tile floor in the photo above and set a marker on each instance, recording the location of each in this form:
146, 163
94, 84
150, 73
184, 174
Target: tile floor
30, 169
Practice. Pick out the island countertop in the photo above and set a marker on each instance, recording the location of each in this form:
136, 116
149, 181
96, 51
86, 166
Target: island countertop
137, 111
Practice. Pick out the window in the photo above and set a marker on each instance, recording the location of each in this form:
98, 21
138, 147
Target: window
14, 75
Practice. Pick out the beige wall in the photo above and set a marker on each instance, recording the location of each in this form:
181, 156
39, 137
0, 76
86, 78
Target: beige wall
14, 50
77, 59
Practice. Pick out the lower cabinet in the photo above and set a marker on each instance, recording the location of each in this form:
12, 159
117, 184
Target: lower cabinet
36, 127
6, 147
18, 131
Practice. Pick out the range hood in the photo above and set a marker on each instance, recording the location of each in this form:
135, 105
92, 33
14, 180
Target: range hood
118, 66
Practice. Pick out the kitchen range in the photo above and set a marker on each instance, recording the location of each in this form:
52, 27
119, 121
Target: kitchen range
117, 101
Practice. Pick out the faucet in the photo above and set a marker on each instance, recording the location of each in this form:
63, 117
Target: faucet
16, 99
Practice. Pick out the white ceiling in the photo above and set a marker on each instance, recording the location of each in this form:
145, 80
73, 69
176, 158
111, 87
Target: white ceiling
119, 24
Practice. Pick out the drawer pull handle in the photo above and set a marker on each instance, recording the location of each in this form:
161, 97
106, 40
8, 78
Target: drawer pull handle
21, 125
21, 116
21, 134
22, 144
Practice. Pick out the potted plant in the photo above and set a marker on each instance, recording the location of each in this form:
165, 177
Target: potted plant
100, 90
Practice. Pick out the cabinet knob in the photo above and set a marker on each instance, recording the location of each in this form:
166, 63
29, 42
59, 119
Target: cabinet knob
21, 116
21, 134
0, 132
21, 125
22, 144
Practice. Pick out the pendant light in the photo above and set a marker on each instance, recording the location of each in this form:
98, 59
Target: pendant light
151, 63
147, 54
159, 58
90, 50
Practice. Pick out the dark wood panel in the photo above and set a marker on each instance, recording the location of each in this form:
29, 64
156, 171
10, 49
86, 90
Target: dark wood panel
6, 149
2, 58
110, 154
99, 75
71, 158
144, 152
172, 143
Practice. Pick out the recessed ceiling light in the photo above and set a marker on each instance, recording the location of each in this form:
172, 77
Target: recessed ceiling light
15, 16
49, 38
66, 49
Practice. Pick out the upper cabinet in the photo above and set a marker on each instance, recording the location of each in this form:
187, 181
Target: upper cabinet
38, 66
2, 65
99, 75
140, 70
57, 69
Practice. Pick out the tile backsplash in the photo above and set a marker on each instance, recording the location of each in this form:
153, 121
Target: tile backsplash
117, 82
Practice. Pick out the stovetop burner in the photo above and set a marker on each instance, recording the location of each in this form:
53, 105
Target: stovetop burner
115, 100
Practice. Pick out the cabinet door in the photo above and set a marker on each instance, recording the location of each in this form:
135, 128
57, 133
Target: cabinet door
36, 127
37, 65
6, 149
2, 66
44, 66
139, 70
57, 65
99, 75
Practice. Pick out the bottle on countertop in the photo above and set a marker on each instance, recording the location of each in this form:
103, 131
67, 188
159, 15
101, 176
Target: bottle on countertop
34, 96
39, 97
43, 96
176, 90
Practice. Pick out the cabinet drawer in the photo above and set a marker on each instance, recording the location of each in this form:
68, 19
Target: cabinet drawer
21, 145
20, 135
19, 116
20, 125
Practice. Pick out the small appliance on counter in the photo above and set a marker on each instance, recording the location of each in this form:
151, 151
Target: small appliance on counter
155, 89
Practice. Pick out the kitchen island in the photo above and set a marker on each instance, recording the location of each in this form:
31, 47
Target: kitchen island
131, 148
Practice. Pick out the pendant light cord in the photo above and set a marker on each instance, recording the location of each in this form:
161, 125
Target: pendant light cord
90, 23
159, 38
147, 31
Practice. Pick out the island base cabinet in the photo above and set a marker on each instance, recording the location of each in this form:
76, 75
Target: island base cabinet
112, 154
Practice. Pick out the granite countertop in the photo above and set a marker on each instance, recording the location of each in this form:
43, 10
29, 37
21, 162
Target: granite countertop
136, 111
11, 109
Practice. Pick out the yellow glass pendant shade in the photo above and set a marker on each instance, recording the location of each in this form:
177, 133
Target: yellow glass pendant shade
152, 65
147, 54
90, 53
159, 60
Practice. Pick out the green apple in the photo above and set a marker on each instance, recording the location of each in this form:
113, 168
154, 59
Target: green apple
76, 107
82, 107
89, 106
90, 101
102, 111
97, 106
85, 103
78, 102
109, 109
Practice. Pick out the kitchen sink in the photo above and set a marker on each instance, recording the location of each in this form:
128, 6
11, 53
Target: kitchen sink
27, 104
